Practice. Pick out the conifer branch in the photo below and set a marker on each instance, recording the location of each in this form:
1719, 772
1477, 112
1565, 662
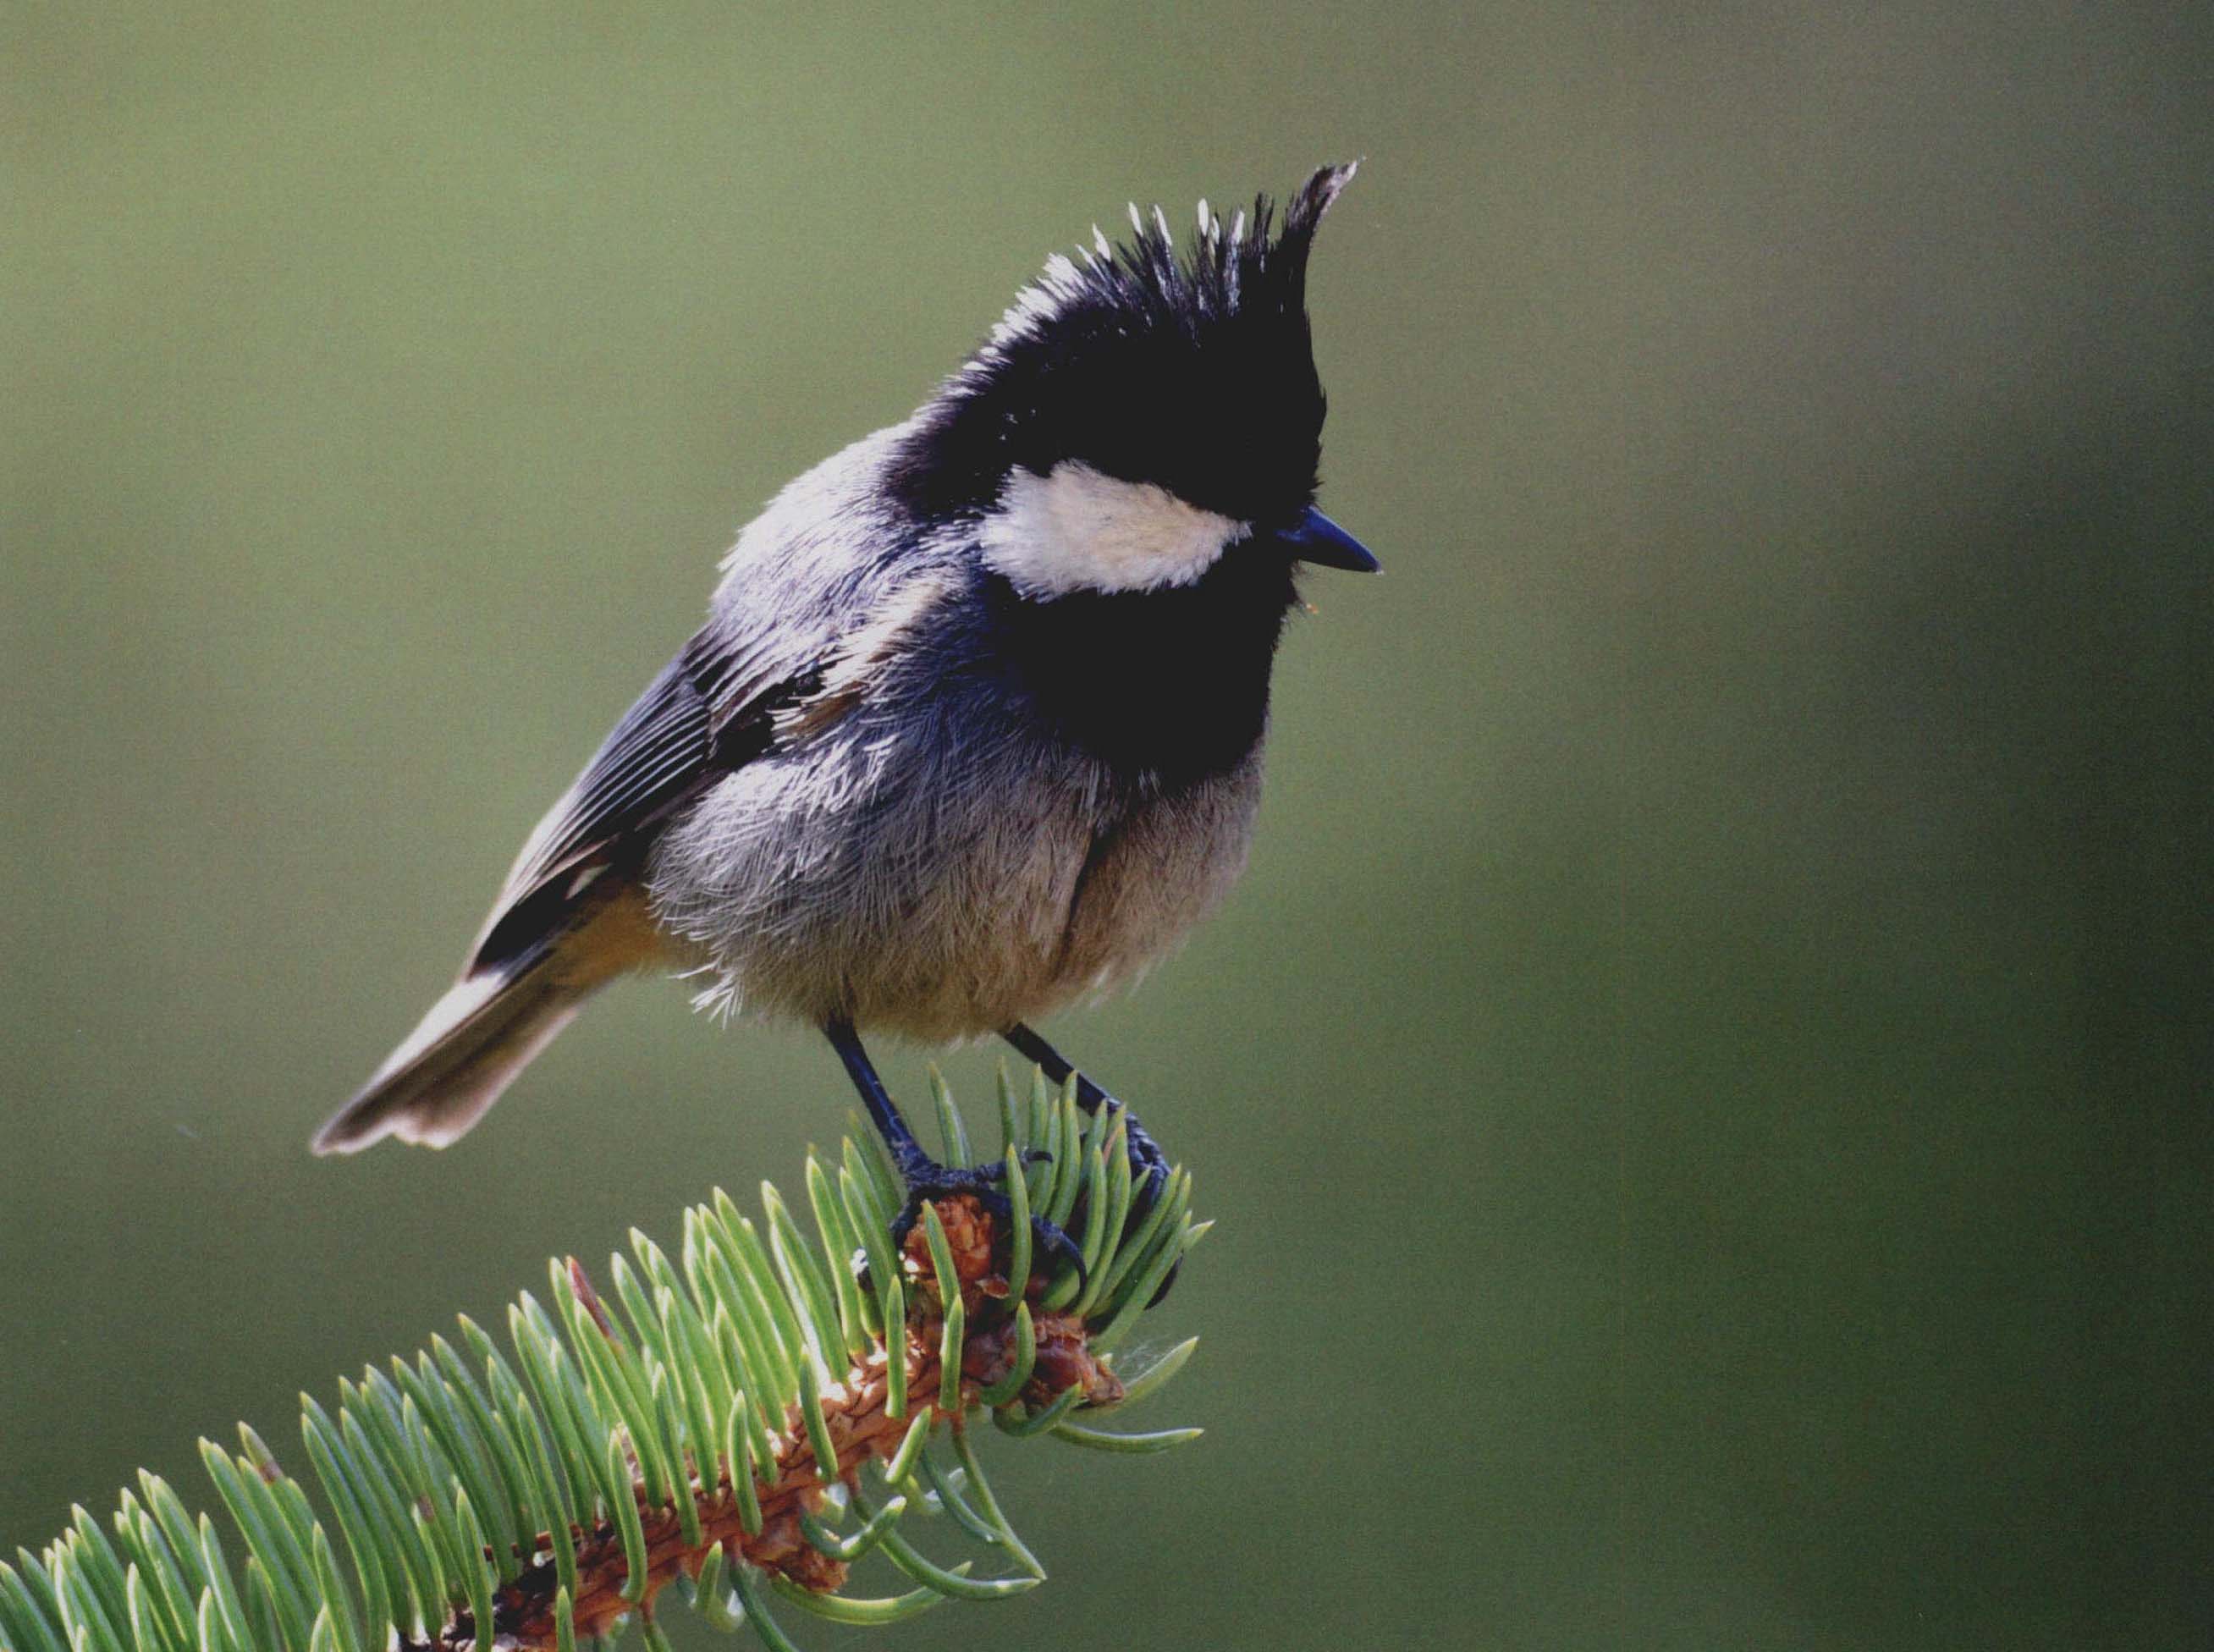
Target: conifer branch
718, 1427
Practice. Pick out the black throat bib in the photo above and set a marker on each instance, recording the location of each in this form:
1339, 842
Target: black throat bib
1174, 680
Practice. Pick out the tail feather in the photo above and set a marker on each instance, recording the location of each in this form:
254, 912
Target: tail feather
504, 1010
453, 1066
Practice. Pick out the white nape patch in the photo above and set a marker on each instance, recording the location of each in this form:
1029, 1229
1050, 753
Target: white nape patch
1077, 530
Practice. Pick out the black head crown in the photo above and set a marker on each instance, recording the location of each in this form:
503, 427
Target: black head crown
1195, 373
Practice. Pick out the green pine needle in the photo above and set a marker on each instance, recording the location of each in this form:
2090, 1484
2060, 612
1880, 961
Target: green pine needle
705, 1425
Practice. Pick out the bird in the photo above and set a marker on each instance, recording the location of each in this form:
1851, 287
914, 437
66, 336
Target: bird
974, 727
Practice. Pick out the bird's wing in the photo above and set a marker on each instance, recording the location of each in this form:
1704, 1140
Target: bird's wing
710, 710
794, 607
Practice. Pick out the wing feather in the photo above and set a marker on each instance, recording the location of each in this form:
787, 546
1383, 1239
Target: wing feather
710, 710
795, 610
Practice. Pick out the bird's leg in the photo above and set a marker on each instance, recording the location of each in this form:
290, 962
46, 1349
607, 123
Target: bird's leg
1146, 1160
923, 1177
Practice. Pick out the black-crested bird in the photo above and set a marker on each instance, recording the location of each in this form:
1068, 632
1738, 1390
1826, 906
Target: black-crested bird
974, 725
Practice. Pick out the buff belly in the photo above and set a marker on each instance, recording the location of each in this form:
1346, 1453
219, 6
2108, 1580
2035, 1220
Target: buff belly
939, 901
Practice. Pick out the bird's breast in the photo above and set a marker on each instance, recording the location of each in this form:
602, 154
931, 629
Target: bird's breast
943, 882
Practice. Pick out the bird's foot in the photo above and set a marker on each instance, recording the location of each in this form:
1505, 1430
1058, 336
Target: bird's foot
1149, 1166
1149, 1179
928, 1181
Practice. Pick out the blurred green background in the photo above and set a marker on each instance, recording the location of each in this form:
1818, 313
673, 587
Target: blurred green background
1705, 1083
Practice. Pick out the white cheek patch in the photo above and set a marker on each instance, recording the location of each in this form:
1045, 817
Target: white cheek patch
1078, 530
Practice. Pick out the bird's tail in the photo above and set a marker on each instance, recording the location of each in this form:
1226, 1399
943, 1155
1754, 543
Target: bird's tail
481, 1036
453, 1066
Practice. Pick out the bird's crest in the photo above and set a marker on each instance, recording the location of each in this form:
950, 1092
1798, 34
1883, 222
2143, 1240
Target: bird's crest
1225, 268
1188, 367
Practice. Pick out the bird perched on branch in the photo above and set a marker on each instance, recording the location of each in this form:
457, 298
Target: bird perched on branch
974, 725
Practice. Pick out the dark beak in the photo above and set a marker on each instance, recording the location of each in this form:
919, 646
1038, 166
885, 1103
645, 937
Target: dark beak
1322, 543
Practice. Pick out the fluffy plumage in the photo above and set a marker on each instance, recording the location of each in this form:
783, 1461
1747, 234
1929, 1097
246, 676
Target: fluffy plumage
974, 724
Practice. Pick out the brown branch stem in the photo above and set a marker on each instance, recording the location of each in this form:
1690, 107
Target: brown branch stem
861, 1427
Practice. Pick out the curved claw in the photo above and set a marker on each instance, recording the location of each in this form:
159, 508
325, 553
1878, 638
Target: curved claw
929, 1181
1147, 1161
1149, 1171
1059, 1244
1156, 1182
1046, 1238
